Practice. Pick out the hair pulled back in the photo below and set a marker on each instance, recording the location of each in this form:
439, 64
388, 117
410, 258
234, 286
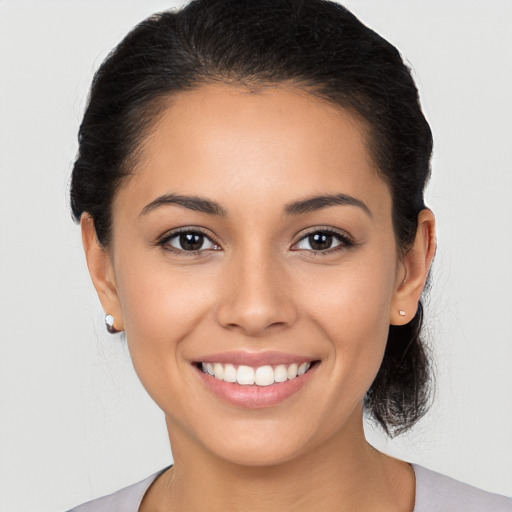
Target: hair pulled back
316, 45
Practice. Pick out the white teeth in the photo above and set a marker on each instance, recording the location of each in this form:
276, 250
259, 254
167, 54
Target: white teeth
264, 376
208, 368
261, 376
229, 373
219, 371
245, 375
303, 368
281, 373
292, 371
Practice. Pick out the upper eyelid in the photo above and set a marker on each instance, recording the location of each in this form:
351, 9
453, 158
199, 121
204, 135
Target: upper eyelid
324, 229
187, 229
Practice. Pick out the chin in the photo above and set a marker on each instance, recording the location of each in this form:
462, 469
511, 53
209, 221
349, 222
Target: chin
265, 442
260, 452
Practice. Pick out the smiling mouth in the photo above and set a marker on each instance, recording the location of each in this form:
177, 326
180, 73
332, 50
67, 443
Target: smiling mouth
259, 376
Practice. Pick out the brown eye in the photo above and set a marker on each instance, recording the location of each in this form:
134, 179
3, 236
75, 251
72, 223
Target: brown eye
190, 241
322, 241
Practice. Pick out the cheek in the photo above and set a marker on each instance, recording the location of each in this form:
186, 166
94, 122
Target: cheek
161, 307
353, 313
357, 295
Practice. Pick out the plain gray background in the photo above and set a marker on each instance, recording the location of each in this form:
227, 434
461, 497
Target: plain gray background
74, 421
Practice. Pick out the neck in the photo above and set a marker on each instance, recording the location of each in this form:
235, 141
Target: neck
357, 478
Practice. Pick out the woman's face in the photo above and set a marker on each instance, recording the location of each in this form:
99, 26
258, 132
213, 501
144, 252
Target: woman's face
255, 233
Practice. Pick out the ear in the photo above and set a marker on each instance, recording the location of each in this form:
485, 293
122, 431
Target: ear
413, 271
101, 271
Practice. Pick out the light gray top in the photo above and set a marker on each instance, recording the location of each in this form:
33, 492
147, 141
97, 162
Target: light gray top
434, 493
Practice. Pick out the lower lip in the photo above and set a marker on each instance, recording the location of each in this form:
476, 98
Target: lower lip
255, 397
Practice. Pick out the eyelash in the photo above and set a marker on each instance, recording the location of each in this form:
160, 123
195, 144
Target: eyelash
345, 241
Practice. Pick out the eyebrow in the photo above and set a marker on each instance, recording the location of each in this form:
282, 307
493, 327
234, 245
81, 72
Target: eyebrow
198, 204
309, 204
314, 203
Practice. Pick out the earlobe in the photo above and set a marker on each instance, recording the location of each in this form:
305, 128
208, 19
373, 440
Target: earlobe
416, 265
101, 270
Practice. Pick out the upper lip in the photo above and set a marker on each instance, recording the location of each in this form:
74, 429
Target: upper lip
254, 359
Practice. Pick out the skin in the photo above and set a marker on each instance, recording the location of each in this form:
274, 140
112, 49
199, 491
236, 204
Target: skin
259, 286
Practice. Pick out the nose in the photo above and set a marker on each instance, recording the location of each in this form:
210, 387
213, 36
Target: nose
256, 296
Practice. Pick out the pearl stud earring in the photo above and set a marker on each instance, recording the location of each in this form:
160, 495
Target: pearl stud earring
109, 323
401, 312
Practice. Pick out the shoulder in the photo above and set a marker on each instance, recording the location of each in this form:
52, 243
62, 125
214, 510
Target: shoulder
443, 494
127, 499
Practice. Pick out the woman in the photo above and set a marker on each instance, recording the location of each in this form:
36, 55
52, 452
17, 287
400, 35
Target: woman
250, 187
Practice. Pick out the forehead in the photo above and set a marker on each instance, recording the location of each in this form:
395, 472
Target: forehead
279, 142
